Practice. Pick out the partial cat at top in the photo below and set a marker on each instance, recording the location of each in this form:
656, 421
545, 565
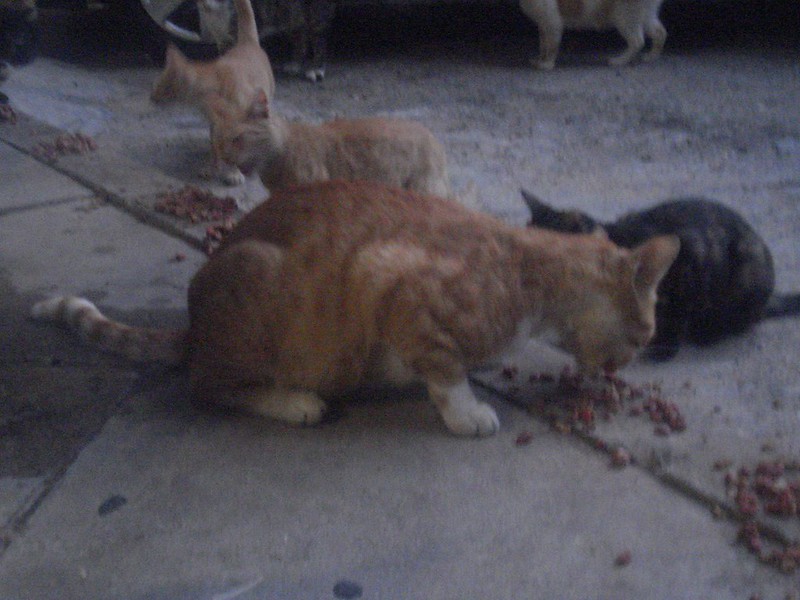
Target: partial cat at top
19, 35
395, 152
306, 24
635, 20
333, 285
721, 283
231, 80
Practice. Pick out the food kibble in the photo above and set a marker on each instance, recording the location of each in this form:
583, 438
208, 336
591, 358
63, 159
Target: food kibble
190, 203
524, 438
67, 143
7, 114
623, 559
620, 457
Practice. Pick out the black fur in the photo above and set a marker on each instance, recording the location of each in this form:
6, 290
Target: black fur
721, 282
19, 36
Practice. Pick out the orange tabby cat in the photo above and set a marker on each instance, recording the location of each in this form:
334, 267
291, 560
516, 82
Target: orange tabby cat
334, 284
399, 153
632, 18
231, 81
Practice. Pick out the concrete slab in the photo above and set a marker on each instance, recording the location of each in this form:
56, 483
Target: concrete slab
27, 182
88, 247
383, 497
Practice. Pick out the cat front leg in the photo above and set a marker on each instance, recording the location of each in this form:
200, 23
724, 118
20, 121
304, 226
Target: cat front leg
462, 412
551, 27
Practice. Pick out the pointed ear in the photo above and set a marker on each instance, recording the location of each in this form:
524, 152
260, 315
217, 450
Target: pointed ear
218, 110
259, 108
535, 205
173, 54
653, 259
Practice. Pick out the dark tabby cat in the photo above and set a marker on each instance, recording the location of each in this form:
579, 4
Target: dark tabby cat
305, 22
18, 32
721, 283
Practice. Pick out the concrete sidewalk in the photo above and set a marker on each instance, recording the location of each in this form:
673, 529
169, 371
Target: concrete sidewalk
113, 486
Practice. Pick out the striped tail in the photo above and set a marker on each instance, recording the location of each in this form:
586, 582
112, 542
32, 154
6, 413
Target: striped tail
136, 343
782, 305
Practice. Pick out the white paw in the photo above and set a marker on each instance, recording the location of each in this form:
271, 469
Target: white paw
542, 64
233, 177
301, 408
477, 419
315, 74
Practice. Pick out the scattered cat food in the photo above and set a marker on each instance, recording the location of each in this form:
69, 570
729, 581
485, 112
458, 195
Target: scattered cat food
215, 234
510, 372
767, 488
620, 458
524, 438
179, 257
66, 143
190, 203
347, 590
7, 114
623, 559
111, 504
582, 401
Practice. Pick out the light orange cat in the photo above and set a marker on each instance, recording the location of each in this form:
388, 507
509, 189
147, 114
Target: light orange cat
634, 19
334, 284
230, 81
398, 153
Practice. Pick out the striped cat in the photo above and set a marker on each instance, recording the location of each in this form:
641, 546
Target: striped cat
335, 284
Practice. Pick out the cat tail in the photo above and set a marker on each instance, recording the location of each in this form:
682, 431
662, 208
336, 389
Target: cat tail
782, 305
246, 28
135, 343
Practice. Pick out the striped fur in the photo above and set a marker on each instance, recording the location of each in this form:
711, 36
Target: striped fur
136, 343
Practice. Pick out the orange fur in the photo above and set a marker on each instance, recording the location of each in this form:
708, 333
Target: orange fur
231, 80
331, 285
399, 153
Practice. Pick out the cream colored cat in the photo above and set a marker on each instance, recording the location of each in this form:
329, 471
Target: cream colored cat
230, 81
399, 153
634, 19
331, 285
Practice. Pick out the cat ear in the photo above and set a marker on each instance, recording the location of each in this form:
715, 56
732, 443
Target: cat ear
173, 54
653, 259
259, 109
537, 208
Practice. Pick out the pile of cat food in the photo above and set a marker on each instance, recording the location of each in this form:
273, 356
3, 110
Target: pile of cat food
190, 203
7, 114
67, 143
581, 400
769, 488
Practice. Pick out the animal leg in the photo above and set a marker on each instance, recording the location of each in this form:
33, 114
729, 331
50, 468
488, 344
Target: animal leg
633, 33
550, 27
658, 36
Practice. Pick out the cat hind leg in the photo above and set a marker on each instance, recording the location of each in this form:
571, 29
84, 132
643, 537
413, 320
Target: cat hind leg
658, 37
631, 29
296, 407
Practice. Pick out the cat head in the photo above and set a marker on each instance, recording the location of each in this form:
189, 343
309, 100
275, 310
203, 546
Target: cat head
606, 303
567, 221
173, 83
237, 133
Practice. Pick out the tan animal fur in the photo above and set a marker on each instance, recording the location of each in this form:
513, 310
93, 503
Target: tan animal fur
398, 153
331, 285
633, 19
231, 80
